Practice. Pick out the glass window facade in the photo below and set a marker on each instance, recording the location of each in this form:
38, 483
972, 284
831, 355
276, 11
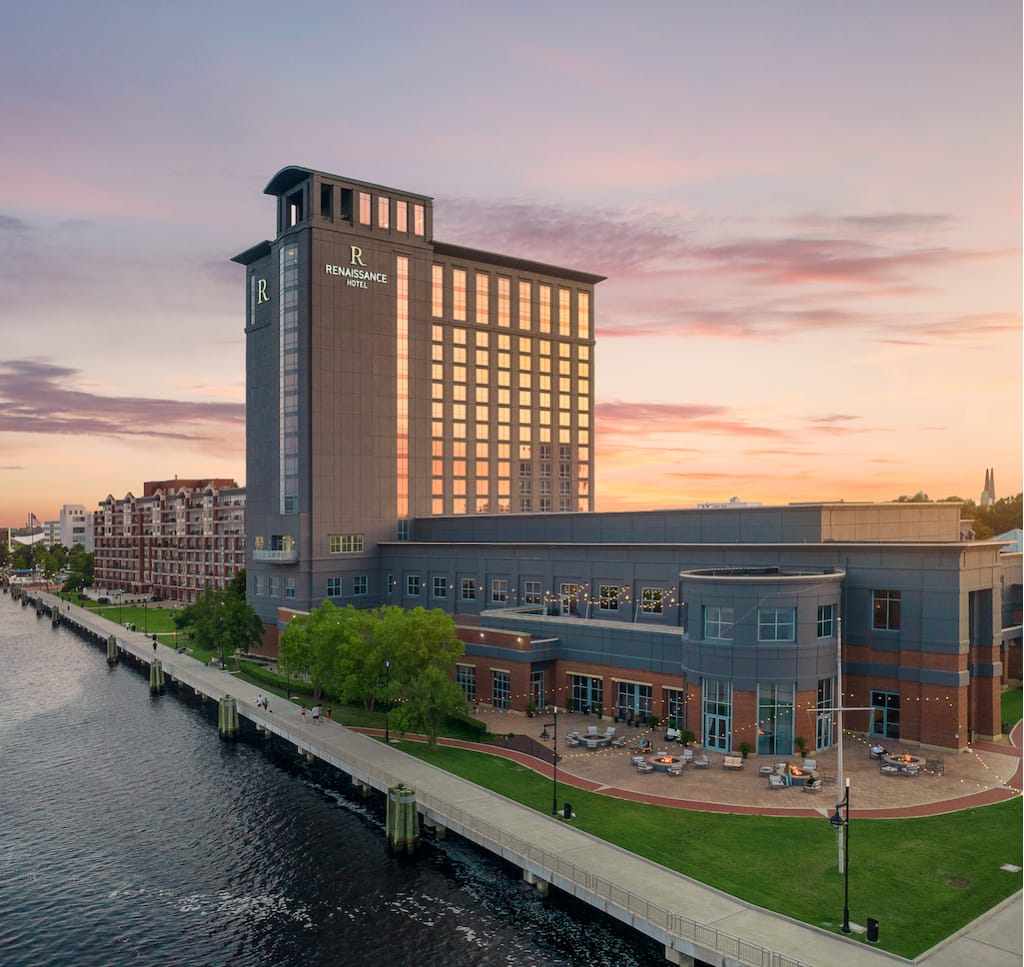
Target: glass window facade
885, 608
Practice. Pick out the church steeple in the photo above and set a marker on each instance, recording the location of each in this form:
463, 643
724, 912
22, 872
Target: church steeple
988, 495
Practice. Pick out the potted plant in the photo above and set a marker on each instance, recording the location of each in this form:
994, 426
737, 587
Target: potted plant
598, 709
801, 744
531, 709
686, 737
745, 748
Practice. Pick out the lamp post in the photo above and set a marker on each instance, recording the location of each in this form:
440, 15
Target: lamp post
120, 601
387, 702
554, 759
842, 823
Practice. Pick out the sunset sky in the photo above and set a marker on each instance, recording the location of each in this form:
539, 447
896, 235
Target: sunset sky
809, 215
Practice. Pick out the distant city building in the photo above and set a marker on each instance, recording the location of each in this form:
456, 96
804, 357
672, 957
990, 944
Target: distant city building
179, 538
988, 495
76, 527
51, 533
731, 502
420, 433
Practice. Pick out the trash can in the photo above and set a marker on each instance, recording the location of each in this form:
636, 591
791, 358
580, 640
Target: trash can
567, 811
872, 930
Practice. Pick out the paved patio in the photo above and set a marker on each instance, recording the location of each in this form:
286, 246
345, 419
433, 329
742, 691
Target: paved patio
986, 773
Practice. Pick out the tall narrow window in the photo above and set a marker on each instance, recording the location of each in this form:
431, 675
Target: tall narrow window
437, 291
545, 307
504, 302
383, 212
583, 315
401, 216
402, 385
364, 208
524, 305
483, 307
288, 376
418, 221
459, 295
564, 312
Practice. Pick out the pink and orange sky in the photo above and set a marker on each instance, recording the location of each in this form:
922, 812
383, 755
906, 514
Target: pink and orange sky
809, 216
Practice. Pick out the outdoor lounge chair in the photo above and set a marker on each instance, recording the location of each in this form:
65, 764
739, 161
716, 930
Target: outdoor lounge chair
813, 785
676, 769
701, 761
644, 767
810, 765
775, 781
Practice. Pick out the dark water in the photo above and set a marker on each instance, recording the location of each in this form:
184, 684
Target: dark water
130, 834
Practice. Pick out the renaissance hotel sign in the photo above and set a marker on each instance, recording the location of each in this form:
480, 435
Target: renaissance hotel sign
356, 274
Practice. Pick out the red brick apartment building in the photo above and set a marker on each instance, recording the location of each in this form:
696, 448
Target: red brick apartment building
179, 538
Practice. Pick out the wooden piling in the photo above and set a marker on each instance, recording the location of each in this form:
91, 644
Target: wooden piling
227, 720
403, 821
111, 650
156, 678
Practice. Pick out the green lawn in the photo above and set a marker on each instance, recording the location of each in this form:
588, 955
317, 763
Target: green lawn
1012, 706
922, 879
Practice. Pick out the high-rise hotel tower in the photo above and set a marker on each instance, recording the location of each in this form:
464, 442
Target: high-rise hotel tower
391, 376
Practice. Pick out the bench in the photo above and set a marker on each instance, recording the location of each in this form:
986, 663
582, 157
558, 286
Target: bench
732, 762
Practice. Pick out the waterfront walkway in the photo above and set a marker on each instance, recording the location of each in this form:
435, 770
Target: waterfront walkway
688, 917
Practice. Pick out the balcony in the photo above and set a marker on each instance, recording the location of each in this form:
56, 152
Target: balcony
289, 556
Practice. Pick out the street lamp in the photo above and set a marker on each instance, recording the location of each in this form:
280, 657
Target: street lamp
843, 823
554, 759
120, 601
387, 700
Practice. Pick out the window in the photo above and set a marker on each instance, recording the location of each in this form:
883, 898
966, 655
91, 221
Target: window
885, 606
609, 598
412, 584
633, 697
334, 587
273, 587
774, 719
483, 308
402, 218
364, 208
359, 584
390, 584
437, 291
718, 622
587, 692
652, 600
826, 620
259, 587
459, 295
501, 690
289, 588
418, 220
346, 543
465, 675
524, 305
531, 592
469, 589
776, 624
499, 590
383, 212
885, 719
440, 587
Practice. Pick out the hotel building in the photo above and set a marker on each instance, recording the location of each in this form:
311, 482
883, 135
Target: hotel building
420, 432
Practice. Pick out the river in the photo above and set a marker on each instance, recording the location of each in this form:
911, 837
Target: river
131, 834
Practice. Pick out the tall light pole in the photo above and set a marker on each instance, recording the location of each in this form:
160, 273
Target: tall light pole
387, 701
842, 825
554, 759
839, 722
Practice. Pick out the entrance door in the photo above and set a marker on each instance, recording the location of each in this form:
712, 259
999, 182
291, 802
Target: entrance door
570, 598
716, 732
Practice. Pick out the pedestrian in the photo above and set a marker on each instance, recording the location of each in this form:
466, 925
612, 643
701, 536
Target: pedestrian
330, 717
154, 644
303, 707
317, 710
259, 700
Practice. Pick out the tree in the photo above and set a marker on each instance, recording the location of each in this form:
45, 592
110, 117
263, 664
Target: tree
428, 700
237, 584
220, 621
1002, 516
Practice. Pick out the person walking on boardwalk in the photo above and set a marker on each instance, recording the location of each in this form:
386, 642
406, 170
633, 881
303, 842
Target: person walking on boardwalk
303, 707
317, 711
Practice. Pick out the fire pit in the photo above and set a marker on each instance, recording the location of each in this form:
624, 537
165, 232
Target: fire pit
662, 762
904, 759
